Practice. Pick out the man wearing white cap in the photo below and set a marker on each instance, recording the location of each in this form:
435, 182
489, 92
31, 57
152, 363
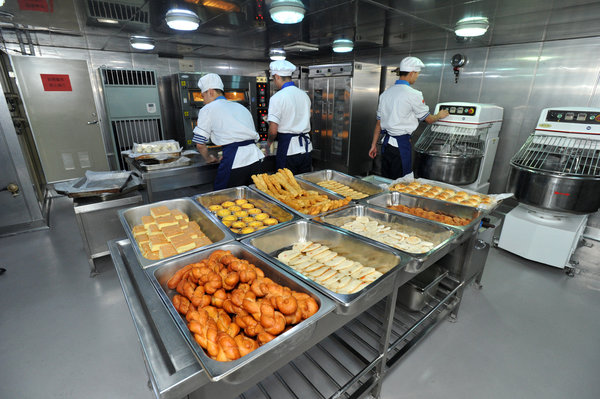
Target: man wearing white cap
400, 110
289, 120
230, 125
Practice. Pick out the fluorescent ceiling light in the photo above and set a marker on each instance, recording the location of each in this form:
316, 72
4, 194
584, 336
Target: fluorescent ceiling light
342, 45
277, 54
287, 11
107, 21
141, 43
179, 19
471, 27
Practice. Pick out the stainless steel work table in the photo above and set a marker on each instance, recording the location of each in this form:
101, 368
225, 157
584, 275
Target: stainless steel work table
346, 356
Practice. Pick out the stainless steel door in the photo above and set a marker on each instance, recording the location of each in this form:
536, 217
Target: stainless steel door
339, 110
319, 100
62, 116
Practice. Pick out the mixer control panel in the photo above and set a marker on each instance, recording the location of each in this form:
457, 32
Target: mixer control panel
571, 116
262, 104
467, 110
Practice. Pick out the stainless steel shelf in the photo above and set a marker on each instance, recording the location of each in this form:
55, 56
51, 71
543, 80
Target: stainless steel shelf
343, 365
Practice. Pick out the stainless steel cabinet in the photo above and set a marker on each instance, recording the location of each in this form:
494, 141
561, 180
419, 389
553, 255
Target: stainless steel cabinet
344, 106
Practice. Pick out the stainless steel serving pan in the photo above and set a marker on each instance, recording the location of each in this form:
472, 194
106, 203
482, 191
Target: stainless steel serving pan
392, 198
247, 366
305, 186
216, 232
369, 253
440, 235
259, 200
352, 182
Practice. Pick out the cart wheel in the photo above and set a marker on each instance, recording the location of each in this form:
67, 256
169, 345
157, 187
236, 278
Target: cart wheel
569, 271
2, 271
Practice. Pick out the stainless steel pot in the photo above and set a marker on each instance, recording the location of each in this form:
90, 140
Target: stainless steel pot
554, 192
458, 170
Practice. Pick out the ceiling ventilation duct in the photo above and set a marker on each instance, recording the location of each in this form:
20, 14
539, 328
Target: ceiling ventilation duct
301, 47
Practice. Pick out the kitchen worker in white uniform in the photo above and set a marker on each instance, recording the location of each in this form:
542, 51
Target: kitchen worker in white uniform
230, 125
400, 110
289, 120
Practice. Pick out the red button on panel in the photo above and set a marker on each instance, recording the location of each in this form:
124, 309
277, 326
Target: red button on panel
471, 110
597, 118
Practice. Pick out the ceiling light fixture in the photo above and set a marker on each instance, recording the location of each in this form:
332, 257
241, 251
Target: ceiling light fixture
277, 54
342, 46
141, 42
179, 19
287, 11
471, 27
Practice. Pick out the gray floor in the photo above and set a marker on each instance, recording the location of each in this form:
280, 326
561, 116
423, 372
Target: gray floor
531, 332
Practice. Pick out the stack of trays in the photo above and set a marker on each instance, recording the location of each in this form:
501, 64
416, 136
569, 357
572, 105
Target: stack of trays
328, 175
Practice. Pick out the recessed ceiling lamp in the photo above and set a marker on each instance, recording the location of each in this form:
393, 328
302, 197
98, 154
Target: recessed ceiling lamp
179, 19
471, 27
141, 42
287, 11
277, 54
342, 45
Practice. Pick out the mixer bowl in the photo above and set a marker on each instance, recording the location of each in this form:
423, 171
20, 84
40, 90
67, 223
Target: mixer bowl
554, 192
459, 170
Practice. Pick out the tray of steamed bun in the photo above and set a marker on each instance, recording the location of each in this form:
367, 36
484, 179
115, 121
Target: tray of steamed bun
238, 311
417, 237
453, 215
244, 211
170, 228
351, 271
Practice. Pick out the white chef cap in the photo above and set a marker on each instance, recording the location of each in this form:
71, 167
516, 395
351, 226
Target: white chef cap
411, 64
282, 68
210, 81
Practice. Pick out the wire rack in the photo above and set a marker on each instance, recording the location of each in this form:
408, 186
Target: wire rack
452, 140
558, 154
344, 365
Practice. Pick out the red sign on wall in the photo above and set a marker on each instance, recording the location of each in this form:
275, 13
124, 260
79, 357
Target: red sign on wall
56, 82
36, 5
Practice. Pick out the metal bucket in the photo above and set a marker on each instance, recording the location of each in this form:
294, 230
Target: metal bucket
450, 169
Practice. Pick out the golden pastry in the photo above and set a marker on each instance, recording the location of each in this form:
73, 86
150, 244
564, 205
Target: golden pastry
241, 214
227, 223
270, 221
238, 225
234, 208
227, 204
241, 201
254, 211
248, 220
247, 230
262, 216
255, 224
247, 206
229, 218
235, 231
215, 208
223, 212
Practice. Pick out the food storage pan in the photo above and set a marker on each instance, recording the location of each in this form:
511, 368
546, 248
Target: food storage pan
415, 292
216, 232
259, 200
369, 253
305, 186
436, 233
246, 367
392, 198
354, 183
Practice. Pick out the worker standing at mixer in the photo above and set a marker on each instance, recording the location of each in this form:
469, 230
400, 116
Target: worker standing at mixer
230, 125
400, 110
289, 120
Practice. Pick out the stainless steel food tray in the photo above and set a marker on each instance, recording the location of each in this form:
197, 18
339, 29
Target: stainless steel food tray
352, 182
438, 234
257, 198
216, 232
247, 366
369, 253
305, 186
392, 198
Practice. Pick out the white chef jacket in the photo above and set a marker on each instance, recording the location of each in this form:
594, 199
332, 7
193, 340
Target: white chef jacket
225, 122
290, 109
400, 110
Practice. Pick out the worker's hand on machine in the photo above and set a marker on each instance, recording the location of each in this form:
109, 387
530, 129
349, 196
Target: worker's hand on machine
442, 114
373, 152
212, 159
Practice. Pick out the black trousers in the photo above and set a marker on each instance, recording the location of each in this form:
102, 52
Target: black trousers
242, 176
391, 163
299, 163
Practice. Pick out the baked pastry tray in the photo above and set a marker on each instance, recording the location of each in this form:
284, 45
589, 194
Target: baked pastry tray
354, 183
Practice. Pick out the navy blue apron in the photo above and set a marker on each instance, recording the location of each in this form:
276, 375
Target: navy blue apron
284, 140
224, 170
404, 149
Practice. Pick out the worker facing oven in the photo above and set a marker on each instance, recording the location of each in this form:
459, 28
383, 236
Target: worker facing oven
230, 125
289, 120
400, 110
